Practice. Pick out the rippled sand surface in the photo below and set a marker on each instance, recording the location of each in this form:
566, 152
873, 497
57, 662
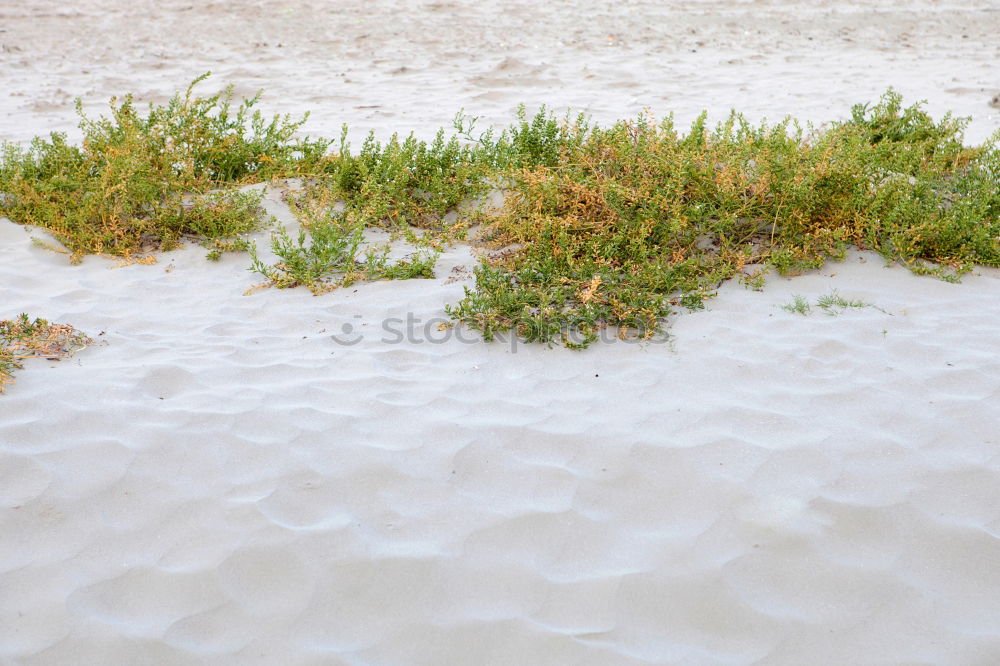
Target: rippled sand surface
219, 480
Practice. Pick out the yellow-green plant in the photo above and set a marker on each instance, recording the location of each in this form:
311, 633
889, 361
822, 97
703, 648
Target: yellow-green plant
599, 227
636, 218
327, 254
125, 189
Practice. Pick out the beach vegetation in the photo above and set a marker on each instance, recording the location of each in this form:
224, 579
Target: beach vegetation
799, 305
632, 219
595, 227
22, 338
331, 253
142, 180
833, 303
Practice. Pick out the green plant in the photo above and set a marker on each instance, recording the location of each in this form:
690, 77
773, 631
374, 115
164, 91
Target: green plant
798, 306
126, 188
217, 246
418, 265
634, 218
833, 303
326, 254
312, 259
754, 280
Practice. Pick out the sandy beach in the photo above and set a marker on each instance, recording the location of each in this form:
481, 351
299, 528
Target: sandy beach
283, 478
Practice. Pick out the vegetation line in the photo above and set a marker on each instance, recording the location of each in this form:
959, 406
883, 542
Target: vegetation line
600, 226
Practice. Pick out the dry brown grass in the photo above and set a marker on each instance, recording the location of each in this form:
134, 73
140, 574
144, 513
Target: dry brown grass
23, 338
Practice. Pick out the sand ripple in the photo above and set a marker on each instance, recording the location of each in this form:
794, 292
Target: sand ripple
219, 482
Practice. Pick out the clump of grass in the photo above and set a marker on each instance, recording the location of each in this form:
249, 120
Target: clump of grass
313, 262
23, 338
126, 188
799, 305
540, 141
327, 254
631, 219
216, 247
833, 303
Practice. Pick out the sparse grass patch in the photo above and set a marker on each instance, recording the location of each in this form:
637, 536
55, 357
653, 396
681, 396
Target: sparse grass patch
833, 303
216, 247
799, 305
328, 254
23, 338
311, 260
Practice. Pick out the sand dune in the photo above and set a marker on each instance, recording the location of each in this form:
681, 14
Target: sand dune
219, 479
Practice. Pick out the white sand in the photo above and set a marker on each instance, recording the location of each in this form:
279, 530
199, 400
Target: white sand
218, 481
